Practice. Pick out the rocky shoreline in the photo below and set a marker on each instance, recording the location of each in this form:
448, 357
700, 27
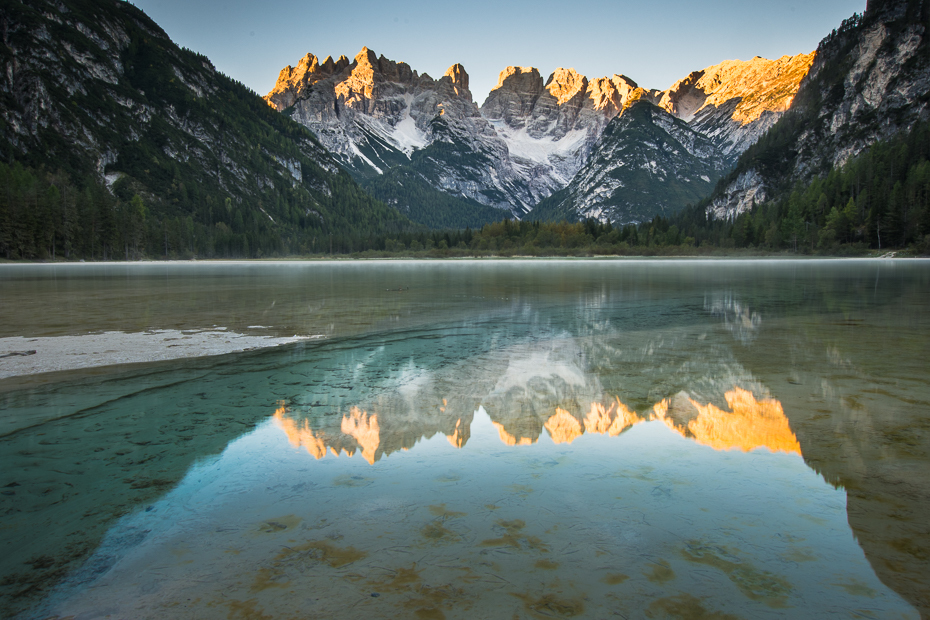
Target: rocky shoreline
21, 356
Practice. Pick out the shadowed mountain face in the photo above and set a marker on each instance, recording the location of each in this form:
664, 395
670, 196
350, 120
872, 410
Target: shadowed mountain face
646, 163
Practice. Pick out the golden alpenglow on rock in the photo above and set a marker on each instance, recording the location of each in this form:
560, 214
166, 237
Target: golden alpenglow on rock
563, 427
292, 82
759, 85
566, 84
459, 79
749, 424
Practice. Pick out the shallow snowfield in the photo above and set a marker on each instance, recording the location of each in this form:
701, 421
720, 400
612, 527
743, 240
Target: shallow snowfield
109, 348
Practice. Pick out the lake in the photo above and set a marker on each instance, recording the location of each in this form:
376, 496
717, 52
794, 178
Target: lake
471, 439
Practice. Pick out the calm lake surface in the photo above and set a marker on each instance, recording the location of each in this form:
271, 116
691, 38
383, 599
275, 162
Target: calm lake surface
475, 439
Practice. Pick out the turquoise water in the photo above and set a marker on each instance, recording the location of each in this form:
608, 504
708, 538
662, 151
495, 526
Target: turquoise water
476, 439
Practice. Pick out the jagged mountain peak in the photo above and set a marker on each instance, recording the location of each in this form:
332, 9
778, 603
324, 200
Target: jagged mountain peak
736, 101
293, 80
459, 78
510, 77
565, 84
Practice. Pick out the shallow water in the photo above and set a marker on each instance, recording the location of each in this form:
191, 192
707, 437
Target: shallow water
477, 439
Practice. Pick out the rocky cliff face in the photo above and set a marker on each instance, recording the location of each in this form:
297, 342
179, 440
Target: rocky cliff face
647, 162
374, 113
354, 107
870, 80
530, 137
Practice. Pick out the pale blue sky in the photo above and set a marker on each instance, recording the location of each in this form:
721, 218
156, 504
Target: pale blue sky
654, 43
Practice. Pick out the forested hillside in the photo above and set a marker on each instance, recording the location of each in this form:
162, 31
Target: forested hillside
880, 200
94, 94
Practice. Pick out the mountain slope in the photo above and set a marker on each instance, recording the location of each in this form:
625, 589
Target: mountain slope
870, 81
98, 90
375, 114
646, 163
735, 102
550, 128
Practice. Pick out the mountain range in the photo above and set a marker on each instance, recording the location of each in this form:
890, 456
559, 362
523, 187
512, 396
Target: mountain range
116, 142
393, 127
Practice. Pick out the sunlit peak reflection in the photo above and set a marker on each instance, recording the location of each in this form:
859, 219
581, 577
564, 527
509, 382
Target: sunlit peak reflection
749, 424
563, 427
300, 435
361, 427
610, 420
461, 433
511, 440
364, 429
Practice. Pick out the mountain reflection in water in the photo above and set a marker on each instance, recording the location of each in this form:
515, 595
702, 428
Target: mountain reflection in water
749, 424
800, 440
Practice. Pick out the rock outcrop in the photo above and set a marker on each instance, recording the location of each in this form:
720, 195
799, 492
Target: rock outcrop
551, 127
374, 114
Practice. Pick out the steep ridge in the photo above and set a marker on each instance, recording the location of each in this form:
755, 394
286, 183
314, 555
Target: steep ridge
372, 112
100, 92
869, 81
647, 162
735, 102
424, 146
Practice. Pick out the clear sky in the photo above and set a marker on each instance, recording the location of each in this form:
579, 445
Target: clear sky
654, 43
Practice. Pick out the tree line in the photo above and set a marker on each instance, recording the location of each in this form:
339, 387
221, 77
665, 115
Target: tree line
45, 215
877, 200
